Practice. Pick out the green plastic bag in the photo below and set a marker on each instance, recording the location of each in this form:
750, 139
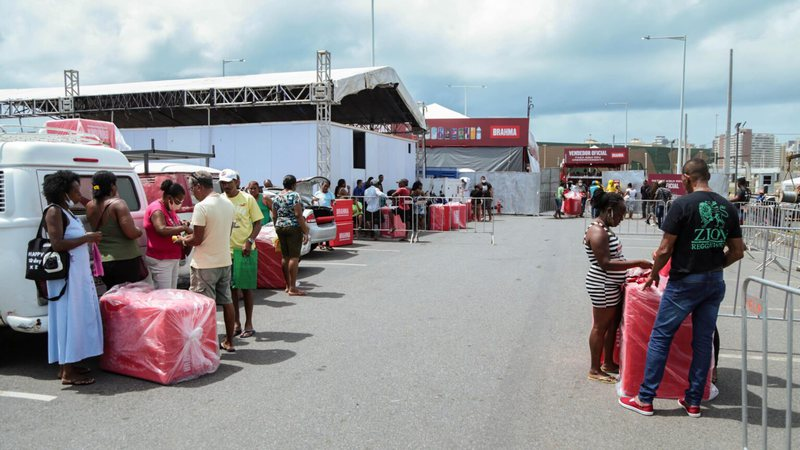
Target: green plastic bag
245, 270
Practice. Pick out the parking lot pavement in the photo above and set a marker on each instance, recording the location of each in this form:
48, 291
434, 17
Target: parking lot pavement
449, 343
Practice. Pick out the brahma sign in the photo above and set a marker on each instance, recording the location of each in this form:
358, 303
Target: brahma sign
615, 156
477, 132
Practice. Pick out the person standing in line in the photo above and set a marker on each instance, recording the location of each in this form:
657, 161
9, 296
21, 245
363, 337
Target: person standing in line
702, 235
476, 196
582, 192
372, 197
358, 192
488, 196
246, 225
592, 192
604, 280
109, 214
741, 197
161, 223
559, 200
292, 230
324, 197
341, 189
263, 201
663, 195
403, 198
645, 195
75, 326
630, 199
212, 223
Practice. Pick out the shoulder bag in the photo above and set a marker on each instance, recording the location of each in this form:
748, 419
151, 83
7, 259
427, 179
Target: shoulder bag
43, 263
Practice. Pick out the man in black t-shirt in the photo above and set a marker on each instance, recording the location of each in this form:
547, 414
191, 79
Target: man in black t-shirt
702, 236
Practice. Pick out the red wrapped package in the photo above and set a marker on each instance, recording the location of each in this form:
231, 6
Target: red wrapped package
270, 270
458, 215
572, 203
343, 210
439, 218
166, 336
638, 318
391, 220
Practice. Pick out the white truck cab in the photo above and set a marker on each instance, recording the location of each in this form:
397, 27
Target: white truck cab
24, 162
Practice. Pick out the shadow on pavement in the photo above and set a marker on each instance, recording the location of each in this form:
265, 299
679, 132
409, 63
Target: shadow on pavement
275, 336
728, 405
259, 357
324, 294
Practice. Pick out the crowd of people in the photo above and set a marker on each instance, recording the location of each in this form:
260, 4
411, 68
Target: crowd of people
652, 196
695, 285
220, 237
222, 233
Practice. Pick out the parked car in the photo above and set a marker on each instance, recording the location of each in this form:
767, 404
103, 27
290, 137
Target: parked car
25, 159
321, 224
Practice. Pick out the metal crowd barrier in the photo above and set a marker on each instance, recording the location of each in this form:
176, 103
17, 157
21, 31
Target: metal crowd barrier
425, 215
644, 221
758, 307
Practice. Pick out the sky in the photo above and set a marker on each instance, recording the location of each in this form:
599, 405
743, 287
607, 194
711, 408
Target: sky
571, 56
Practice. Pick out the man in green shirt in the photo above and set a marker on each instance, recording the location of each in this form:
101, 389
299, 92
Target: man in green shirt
559, 200
246, 225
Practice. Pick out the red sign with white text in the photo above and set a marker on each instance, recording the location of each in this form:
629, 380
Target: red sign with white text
477, 132
674, 181
614, 156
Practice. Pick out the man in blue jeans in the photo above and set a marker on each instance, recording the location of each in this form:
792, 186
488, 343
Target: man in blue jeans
702, 236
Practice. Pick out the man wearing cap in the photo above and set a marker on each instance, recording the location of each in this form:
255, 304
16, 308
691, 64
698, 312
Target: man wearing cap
402, 194
211, 263
246, 225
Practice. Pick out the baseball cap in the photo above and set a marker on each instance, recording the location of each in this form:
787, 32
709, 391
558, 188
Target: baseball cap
228, 175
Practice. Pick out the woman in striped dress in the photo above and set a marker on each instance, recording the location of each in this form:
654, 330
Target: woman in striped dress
604, 282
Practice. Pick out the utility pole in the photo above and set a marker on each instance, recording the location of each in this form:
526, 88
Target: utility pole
725, 162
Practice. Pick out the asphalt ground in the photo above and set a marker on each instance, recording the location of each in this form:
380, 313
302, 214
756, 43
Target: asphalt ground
449, 343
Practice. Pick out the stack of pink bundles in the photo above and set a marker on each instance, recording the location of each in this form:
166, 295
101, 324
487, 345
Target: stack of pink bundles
166, 336
641, 307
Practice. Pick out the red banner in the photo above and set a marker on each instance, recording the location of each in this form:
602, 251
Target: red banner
477, 132
615, 156
673, 180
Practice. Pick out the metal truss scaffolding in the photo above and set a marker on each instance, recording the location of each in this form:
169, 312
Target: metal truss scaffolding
323, 95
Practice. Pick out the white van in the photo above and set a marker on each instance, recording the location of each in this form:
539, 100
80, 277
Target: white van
24, 161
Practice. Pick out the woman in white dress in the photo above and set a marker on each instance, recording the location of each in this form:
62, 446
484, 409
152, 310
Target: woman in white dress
75, 327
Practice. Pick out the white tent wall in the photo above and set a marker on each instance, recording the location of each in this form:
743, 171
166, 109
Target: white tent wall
635, 177
517, 191
259, 151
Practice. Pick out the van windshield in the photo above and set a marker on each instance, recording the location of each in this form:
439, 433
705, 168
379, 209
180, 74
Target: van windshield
125, 189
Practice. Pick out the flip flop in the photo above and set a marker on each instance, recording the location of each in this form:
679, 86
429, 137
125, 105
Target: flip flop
246, 334
237, 332
78, 370
607, 370
607, 379
227, 349
78, 381
297, 293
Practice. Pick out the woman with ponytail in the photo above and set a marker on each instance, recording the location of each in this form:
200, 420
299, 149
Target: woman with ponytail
161, 223
109, 214
604, 282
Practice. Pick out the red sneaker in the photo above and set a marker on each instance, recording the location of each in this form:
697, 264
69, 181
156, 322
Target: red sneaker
692, 411
633, 405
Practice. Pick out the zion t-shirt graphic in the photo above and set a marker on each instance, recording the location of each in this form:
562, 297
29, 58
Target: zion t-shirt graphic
712, 232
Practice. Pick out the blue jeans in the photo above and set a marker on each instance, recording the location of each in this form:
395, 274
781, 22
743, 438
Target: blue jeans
699, 294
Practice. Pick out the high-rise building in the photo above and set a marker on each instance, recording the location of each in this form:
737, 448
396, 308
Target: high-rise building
764, 151
742, 155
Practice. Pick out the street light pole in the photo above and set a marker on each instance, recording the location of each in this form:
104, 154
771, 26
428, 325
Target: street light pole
626, 117
466, 86
373, 33
736, 153
226, 61
681, 143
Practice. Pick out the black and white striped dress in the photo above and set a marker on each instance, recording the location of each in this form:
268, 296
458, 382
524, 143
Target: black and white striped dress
604, 286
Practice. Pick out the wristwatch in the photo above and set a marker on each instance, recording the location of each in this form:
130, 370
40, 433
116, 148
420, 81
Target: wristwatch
251, 240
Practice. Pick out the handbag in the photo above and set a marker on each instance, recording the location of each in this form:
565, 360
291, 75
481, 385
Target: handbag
43, 263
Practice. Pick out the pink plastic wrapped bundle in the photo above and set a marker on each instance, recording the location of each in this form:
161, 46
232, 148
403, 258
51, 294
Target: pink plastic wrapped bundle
639, 316
572, 203
166, 335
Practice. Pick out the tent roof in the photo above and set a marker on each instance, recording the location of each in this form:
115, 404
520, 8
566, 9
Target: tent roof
364, 96
437, 111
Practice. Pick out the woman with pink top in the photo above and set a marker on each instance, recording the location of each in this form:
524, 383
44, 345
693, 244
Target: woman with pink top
161, 223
